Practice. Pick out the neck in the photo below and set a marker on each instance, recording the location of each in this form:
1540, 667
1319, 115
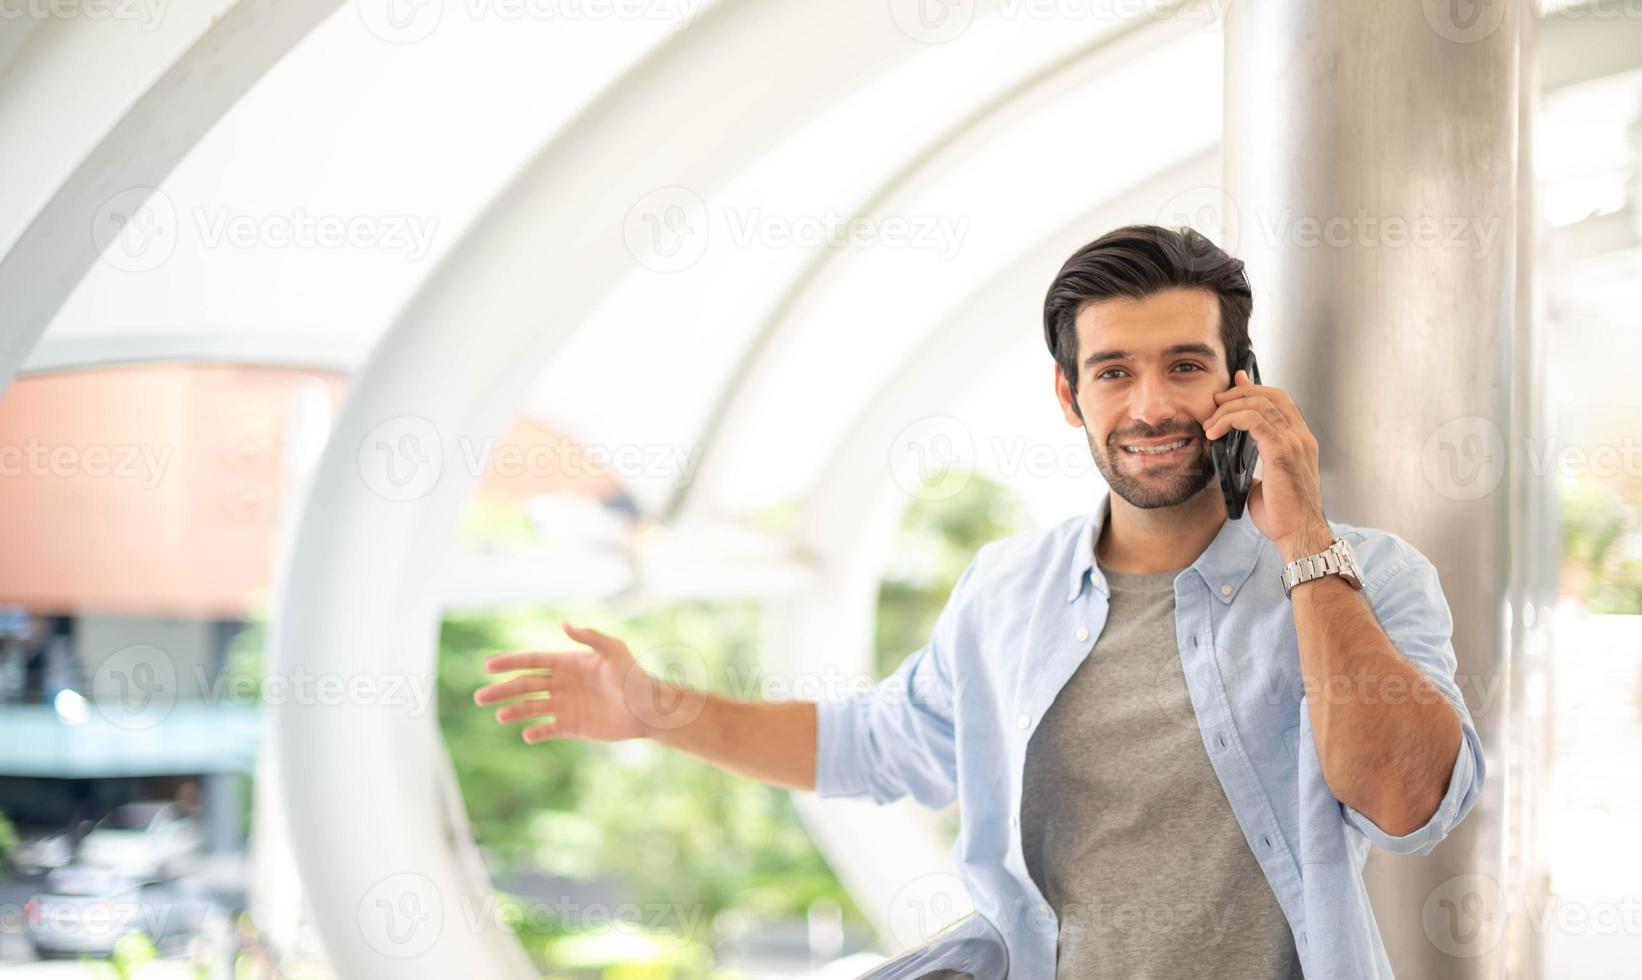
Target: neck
1143, 542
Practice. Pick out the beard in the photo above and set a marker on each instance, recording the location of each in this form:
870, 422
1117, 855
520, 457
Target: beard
1147, 484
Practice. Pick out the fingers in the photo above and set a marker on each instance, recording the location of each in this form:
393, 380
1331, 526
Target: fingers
1240, 380
545, 730
501, 663
1243, 388
520, 710
541, 681
1242, 410
1251, 420
512, 688
601, 642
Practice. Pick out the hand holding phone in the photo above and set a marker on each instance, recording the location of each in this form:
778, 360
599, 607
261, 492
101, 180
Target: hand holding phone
1235, 453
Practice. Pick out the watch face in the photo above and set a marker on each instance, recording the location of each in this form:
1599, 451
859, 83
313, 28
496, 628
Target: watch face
1348, 559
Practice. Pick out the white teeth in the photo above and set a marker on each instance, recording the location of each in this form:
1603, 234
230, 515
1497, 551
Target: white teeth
1145, 451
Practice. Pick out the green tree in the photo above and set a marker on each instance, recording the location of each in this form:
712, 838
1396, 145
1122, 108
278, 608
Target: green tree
935, 543
1602, 543
8, 843
689, 842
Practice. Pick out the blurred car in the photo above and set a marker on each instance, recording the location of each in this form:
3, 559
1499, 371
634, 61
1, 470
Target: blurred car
144, 840
86, 911
37, 855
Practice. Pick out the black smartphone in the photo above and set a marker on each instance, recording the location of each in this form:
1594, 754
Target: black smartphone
1235, 453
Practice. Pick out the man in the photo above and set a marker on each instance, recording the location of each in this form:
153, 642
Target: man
1170, 757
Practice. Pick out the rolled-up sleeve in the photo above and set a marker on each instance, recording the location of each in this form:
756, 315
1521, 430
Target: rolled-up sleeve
1411, 608
900, 737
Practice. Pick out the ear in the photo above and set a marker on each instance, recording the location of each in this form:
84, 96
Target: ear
1068, 403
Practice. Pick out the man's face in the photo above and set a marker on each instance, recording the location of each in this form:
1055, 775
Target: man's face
1147, 373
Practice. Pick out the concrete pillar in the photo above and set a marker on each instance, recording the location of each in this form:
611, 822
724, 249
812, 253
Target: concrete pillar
1371, 164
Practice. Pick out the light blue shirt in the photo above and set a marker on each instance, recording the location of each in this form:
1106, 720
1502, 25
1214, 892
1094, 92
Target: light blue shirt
954, 719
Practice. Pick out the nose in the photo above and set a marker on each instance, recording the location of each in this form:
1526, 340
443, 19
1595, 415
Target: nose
1153, 404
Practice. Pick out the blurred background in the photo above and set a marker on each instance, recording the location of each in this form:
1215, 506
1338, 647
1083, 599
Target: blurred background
349, 342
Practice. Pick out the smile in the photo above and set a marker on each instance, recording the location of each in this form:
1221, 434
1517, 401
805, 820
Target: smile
1160, 452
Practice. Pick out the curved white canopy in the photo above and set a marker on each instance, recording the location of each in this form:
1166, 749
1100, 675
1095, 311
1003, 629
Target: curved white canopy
754, 239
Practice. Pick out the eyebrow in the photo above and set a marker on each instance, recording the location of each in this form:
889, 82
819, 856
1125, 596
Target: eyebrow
1201, 350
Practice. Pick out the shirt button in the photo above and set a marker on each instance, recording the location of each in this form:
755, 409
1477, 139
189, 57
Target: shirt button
1013, 822
1025, 721
1225, 590
1082, 634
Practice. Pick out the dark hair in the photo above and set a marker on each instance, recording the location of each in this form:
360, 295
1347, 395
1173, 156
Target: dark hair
1136, 261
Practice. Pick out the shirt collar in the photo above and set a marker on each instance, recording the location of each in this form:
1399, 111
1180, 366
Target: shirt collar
1224, 565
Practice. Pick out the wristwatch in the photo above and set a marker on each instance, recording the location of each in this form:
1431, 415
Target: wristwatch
1338, 559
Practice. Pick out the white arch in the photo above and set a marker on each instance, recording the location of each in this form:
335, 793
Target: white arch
292, 348
736, 402
1059, 135
70, 71
51, 256
654, 324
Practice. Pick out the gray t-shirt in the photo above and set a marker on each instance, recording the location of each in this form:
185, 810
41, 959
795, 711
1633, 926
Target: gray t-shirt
1123, 822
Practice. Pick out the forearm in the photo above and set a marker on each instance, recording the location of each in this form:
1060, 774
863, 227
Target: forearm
770, 741
1386, 735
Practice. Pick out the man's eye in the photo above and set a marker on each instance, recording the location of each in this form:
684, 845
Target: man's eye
1185, 364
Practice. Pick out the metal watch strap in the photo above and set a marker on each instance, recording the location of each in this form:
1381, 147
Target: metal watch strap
1311, 567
